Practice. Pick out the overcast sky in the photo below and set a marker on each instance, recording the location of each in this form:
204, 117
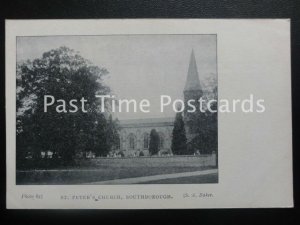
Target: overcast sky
140, 66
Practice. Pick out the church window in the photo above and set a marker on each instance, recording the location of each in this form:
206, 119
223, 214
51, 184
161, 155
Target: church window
146, 141
161, 141
131, 141
118, 143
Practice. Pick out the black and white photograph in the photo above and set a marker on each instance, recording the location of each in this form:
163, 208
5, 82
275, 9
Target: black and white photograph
116, 109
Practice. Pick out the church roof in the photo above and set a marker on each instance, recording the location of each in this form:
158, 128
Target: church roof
163, 121
192, 81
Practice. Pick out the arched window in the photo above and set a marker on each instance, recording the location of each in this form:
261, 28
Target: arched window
118, 142
146, 141
161, 140
131, 141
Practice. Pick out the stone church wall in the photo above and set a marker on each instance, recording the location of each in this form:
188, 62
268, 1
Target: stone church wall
134, 140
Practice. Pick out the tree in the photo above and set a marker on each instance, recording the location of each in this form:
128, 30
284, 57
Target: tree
64, 74
108, 137
179, 140
154, 142
206, 140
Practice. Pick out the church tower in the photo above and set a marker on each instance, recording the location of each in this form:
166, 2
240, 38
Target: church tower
192, 90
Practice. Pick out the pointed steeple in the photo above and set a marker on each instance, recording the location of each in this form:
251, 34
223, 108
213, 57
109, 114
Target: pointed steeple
192, 81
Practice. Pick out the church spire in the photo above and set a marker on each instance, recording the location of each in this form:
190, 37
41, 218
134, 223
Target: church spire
192, 82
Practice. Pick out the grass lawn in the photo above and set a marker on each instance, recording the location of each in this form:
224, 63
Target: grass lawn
101, 174
202, 179
103, 169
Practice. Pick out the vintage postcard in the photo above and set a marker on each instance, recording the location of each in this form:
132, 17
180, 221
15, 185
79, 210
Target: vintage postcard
148, 113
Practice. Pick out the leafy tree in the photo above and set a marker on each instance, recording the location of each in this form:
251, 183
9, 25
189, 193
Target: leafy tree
179, 140
206, 140
154, 142
64, 74
107, 137
112, 132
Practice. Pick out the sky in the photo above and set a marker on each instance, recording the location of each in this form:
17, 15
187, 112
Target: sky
139, 66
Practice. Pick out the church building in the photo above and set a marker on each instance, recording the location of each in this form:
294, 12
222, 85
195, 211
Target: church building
134, 134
